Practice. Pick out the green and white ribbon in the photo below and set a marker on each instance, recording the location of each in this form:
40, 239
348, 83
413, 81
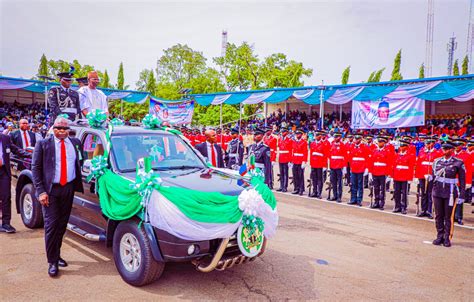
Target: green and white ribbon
96, 118
98, 167
151, 122
117, 122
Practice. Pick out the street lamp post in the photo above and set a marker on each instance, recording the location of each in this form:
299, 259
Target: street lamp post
45, 83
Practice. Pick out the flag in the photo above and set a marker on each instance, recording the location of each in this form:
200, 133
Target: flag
243, 169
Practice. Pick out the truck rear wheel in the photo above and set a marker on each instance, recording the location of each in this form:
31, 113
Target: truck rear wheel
30, 208
132, 255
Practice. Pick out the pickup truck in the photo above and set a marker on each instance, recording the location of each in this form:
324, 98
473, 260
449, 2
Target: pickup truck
140, 251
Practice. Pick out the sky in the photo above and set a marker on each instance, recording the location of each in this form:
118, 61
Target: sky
326, 36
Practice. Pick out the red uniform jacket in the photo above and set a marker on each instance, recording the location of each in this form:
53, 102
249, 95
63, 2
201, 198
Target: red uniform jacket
300, 152
318, 154
337, 155
381, 161
271, 141
403, 166
424, 162
285, 145
358, 157
464, 156
469, 167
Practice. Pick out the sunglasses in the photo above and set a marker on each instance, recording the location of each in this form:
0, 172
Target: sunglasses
61, 128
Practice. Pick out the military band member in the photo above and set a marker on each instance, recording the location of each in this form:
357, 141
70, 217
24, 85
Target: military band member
369, 142
448, 171
284, 156
318, 159
299, 158
380, 171
470, 172
262, 156
337, 164
423, 172
64, 100
348, 142
236, 150
358, 157
403, 170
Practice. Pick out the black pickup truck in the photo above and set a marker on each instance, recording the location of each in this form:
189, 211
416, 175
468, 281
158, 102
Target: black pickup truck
140, 250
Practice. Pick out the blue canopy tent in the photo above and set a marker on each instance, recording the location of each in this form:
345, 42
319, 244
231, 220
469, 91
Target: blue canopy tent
458, 88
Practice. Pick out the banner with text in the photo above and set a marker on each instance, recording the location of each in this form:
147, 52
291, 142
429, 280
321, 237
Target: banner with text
174, 113
388, 113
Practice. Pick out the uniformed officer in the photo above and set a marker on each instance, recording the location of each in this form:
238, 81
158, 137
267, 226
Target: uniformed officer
380, 170
470, 172
262, 156
358, 157
348, 142
337, 164
64, 100
460, 153
403, 170
299, 158
284, 157
369, 142
318, 159
423, 172
448, 171
271, 141
81, 82
236, 150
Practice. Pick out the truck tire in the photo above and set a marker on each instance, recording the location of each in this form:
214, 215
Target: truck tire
30, 208
132, 255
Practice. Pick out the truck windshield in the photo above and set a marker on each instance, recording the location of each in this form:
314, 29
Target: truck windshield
168, 152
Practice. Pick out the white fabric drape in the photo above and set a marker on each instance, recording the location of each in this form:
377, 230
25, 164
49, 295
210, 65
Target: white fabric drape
118, 95
342, 96
303, 94
219, 99
465, 97
408, 91
257, 97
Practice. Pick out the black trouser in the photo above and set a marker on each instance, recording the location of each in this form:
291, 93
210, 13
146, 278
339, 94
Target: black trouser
56, 216
366, 181
426, 189
283, 176
357, 187
458, 214
5, 195
317, 180
298, 178
444, 217
336, 182
378, 182
400, 194
348, 175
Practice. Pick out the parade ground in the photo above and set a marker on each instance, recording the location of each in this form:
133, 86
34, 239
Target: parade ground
322, 251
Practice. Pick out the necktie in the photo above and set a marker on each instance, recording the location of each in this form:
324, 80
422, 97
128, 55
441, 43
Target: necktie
213, 155
26, 139
63, 177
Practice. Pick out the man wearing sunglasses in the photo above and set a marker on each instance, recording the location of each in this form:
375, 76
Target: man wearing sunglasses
56, 168
64, 100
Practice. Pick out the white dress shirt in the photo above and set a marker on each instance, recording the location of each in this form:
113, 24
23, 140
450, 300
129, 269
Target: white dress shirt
28, 138
70, 158
92, 99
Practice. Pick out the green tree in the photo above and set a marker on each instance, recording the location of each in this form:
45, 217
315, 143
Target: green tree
130, 110
211, 116
142, 82
151, 83
465, 65
43, 68
396, 75
277, 71
456, 68
106, 81
421, 72
378, 75
371, 77
345, 75
120, 78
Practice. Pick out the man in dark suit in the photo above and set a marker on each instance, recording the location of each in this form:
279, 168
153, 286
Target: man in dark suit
6, 147
210, 150
23, 138
56, 171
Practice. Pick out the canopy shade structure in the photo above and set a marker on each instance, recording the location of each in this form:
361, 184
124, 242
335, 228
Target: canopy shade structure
458, 88
130, 96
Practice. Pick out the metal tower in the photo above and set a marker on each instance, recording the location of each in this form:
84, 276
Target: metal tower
224, 43
451, 47
470, 35
429, 39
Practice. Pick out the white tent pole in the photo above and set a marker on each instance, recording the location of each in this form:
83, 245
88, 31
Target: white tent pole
340, 113
265, 112
321, 105
240, 116
46, 96
121, 108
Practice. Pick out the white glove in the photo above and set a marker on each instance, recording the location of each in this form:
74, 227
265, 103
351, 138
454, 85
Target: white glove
460, 201
303, 165
324, 170
428, 177
416, 181
409, 182
370, 177
388, 179
366, 171
344, 170
290, 165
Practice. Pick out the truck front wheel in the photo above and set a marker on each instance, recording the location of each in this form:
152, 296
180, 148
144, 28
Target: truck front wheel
30, 208
132, 255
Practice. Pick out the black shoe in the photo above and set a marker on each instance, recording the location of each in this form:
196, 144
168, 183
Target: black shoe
359, 204
459, 221
318, 196
429, 215
313, 195
300, 193
284, 190
332, 199
375, 206
279, 190
404, 211
351, 203
438, 241
338, 200
53, 270
422, 214
381, 208
397, 210
7, 228
295, 192
447, 243
62, 262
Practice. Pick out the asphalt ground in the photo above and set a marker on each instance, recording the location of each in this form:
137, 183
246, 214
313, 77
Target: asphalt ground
322, 251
